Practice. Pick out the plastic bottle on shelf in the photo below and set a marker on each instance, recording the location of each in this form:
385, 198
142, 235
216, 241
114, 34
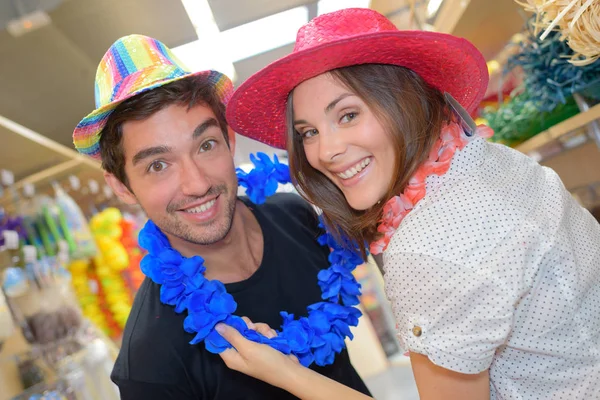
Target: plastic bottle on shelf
32, 267
74, 226
7, 325
27, 210
14, 278
62, 262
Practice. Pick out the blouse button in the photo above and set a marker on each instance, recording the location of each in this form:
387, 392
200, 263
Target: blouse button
417, 331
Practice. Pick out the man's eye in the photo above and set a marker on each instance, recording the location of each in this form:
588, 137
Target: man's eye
207, 146
157, 166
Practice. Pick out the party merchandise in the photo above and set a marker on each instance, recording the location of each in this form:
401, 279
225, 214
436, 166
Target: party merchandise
74, 226
575, 20
133, 65
7, 325
548, 75
110, 263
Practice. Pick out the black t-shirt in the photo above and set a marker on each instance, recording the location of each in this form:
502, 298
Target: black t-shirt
156, 360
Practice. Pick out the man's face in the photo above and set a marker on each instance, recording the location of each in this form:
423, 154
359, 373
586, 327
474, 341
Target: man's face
181, 172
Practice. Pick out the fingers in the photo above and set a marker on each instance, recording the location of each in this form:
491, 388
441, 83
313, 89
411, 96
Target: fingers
249, 323
265, 330
233, 359
230, 334
294, 358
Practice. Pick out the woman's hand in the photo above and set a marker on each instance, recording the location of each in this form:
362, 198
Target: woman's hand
258, 360
267, 364
262, 328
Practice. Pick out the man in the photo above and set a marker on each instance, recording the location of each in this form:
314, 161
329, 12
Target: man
164, 144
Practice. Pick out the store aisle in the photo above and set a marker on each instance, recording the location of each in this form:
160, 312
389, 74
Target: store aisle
396, 383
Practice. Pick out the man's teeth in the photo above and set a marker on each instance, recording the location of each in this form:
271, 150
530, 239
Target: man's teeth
202, 207
350, 172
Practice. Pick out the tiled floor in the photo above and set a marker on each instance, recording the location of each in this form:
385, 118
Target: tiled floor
396, 383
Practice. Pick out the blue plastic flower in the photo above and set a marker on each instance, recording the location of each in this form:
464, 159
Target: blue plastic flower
281, 172
169, 294
262, 181
298, 332
203, 323
151, 267
215, 343
325, 354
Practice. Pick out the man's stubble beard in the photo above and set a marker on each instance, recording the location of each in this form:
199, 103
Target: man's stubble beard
204, 234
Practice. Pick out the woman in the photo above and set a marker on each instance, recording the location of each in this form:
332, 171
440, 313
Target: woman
492, 268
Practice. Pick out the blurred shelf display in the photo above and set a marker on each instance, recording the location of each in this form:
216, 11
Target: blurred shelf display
76, 367
561, 129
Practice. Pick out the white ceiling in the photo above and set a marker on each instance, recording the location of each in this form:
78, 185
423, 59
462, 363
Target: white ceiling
231, 13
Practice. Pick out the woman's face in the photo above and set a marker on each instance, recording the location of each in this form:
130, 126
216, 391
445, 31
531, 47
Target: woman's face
344, 140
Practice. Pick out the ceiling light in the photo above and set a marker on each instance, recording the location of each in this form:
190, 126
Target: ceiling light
432, 7
28, 23
327, 6
208, 51
264, 34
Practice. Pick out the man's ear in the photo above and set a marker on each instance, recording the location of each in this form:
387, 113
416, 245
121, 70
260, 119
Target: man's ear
231, 136
119, 188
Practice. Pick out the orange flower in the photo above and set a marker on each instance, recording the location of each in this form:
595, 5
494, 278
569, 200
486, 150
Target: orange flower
440, 157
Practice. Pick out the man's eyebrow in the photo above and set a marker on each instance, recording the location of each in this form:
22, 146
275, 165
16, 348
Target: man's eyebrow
153, 151
200, 129
149, 152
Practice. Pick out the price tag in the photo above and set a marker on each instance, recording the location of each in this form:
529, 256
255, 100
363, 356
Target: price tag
74, 182
7, 177
94, 187
108, 193
29, 190
11, 239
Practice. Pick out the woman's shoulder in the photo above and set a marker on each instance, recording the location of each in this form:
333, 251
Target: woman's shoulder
465, 219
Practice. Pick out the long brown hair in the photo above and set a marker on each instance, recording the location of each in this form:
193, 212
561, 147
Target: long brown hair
411, 112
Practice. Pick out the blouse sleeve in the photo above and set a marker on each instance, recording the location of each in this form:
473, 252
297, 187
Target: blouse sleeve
454, 314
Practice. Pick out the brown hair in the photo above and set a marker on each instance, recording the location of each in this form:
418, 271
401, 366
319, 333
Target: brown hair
190, 91
596, 213
411, 112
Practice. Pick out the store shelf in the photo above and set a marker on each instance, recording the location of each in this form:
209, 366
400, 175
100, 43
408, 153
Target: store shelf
489, 25
559, 130
35, 159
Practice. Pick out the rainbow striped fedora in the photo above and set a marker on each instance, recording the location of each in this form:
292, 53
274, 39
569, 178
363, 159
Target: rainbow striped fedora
132, 65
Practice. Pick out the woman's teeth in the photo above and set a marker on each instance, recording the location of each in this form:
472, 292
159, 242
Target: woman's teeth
202, 207
350, 172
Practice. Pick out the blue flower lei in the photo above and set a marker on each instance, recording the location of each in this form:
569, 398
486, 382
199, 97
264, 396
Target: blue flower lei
316, 338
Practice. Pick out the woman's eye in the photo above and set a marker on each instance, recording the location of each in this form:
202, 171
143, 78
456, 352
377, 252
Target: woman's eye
157, 166
207, 146
310, 133
348, 117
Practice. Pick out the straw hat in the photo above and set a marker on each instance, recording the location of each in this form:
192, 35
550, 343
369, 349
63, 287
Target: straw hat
132, 65
350, 37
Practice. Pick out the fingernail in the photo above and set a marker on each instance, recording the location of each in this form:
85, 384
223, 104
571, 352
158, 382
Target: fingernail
220, 328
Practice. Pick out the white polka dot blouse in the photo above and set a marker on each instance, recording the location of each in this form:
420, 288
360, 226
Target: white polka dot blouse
498, 268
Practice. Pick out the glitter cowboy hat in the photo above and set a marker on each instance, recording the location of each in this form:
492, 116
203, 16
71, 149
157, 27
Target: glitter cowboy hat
350, 37
132, 65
